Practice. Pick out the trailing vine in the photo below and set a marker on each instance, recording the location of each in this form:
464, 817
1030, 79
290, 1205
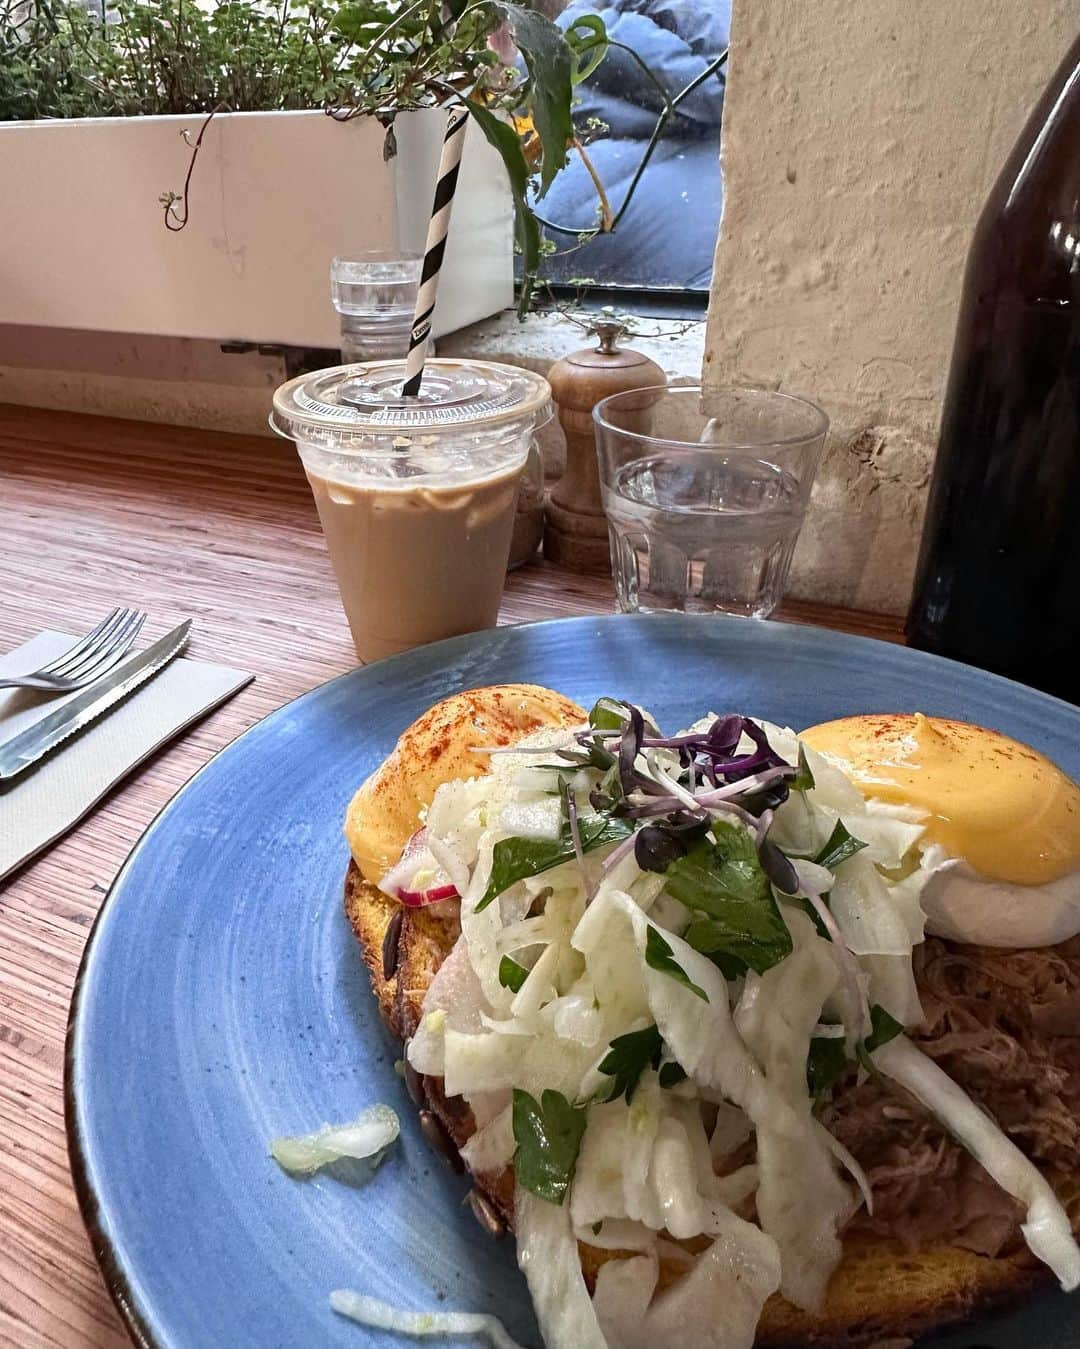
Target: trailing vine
360, 57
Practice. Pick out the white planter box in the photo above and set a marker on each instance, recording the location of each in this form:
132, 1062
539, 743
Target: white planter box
274, 196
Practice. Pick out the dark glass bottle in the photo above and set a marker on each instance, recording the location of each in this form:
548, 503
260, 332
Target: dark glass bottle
998, 582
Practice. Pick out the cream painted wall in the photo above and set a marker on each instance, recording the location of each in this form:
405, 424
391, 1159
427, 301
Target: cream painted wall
181, 381
859, 143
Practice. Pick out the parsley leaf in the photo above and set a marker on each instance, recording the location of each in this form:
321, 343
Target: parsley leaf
803, 781
627, 1058
883, 1028
515, 858
815, 917
548, 1134
608, 714
840, 846
825, 1062
658, 956
722, 878
671, 1074
608, 796
591, 754
711, 939
827, 1059
511, 974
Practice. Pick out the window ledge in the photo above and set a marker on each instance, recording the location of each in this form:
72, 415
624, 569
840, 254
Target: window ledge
539, 341
676, 346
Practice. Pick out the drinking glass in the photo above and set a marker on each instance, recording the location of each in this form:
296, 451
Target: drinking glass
375, 294
705, 493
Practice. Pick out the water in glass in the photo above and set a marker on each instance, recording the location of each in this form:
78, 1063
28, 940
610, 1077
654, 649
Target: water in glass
704, 492
375, 294
702, 532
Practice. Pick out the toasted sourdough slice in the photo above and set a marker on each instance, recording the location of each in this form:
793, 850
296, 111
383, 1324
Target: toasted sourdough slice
879, 1290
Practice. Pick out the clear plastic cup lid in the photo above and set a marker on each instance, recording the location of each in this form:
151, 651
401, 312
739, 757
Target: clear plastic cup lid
351, 401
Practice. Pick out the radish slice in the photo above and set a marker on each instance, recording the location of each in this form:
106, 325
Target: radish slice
415, 899
407, 864
418, 863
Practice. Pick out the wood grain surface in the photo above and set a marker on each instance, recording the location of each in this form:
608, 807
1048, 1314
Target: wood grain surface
94, 513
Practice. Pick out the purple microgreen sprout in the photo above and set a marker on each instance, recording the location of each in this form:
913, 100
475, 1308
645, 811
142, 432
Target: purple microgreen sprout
656, 848
608, 865
665, 780
629, 748
569, 748
575, 832
778, 867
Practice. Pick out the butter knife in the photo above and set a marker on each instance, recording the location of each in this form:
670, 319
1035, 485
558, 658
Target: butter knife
29, 746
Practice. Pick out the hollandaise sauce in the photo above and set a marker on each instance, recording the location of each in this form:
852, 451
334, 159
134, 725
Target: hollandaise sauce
1006, 809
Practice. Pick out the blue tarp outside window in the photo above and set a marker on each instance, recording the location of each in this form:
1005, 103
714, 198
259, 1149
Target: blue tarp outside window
668, 236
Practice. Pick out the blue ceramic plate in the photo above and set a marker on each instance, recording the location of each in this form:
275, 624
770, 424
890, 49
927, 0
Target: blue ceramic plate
222, 1001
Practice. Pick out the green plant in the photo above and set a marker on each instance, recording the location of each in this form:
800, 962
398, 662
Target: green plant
57, 59
375, 57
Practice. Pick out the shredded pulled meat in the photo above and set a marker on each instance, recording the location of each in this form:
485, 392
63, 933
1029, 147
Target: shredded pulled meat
1005, 1025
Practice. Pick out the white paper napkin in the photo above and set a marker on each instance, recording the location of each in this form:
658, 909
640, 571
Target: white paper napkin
42, 804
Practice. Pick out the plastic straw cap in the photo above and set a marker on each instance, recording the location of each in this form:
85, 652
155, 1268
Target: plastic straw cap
354, 405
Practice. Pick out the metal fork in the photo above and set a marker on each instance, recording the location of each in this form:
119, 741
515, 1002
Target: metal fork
88, 659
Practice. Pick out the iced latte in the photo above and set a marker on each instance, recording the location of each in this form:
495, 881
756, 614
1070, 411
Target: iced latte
416, 496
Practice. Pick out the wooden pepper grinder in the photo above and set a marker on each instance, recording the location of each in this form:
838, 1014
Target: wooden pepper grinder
575, 531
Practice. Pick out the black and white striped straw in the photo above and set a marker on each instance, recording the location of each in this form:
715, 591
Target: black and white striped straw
438, 227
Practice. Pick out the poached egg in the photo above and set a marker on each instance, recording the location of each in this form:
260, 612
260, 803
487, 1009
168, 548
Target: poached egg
1001, 822
440, 747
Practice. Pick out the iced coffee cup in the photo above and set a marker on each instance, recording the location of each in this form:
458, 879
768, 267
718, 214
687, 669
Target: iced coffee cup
415, 495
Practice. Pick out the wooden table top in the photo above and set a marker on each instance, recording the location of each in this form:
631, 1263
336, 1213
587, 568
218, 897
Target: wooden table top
222, 529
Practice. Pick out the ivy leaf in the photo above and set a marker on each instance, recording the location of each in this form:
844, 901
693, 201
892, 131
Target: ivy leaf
511, 974
588, 41
548, 1134
659, 956
722, 878
671, 1074
840, 846
627, 1058
550, 64
515, 858
526, 227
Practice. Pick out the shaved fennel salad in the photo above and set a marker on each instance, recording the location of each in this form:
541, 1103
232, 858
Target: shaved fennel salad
672, 947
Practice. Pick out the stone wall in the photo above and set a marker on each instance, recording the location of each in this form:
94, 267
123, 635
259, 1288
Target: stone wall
859, 143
